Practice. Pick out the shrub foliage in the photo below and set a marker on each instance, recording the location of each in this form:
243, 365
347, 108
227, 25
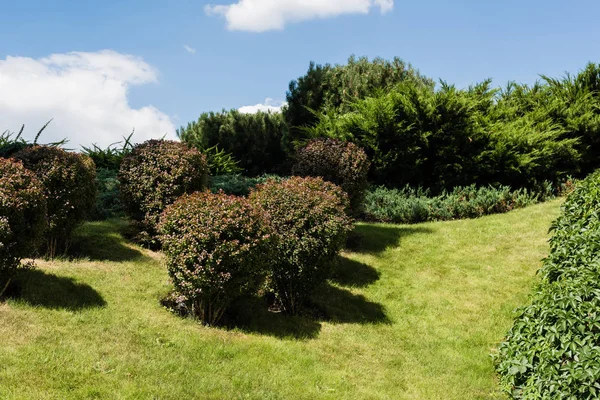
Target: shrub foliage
69, 186
22, 217
342, 163
217, 248
154, 175
410, 205
308, 216
553, 348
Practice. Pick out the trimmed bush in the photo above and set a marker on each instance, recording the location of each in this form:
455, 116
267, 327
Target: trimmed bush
22, 217
69, 187
342, 163
217, 248
309, 219
154, 175
553, 348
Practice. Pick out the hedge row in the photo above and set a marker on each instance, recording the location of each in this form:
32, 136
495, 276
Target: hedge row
553, 348
410, 205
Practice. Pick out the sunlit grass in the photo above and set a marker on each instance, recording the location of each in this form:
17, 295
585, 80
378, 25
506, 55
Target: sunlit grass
413, 312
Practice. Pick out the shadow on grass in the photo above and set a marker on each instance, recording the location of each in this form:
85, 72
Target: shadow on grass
329, 304
38, 288
352, 273
375, 238
102, 241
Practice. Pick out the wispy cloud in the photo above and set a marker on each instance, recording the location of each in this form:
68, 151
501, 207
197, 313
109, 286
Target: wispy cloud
265, 15
269, 105
85, 93
189, 49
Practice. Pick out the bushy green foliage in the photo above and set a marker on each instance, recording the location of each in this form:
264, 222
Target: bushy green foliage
410, 205
220, 162
217, 248
254, 140
334, 88
238, 185
153, 176
22, 217
308, 216
414, 134
342, 163
69, 186
108, 203
552, 350
110, 157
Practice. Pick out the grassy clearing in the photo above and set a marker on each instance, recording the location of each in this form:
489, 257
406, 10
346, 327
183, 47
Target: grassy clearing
413, 312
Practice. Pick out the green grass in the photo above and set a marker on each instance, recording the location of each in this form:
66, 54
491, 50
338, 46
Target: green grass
413, 312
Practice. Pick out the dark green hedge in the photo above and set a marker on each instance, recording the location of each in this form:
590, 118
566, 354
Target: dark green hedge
553, 349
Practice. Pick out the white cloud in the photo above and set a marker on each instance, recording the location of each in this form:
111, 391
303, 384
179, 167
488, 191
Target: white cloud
265, 15
85, 93
189, 49
269, 105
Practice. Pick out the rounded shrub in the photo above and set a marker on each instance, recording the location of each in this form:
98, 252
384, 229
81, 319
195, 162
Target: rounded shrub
153, 176
69, 186
342, 163
22, 216
217, 247
308, 216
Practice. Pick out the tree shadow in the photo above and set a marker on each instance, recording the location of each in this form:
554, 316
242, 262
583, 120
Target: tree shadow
38, 288
348, 272
102, 241
375, 238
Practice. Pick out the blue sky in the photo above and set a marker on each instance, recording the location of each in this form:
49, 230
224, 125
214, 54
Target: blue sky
460, 41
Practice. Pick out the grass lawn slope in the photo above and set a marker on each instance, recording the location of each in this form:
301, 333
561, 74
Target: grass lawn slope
413, 312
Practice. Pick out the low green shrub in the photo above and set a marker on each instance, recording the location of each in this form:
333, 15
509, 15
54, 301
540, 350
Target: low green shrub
108, 203
238, 185
217, 248
342, 163
410, 205
553, 348
308, 216
22, 217
69, 186
153, 176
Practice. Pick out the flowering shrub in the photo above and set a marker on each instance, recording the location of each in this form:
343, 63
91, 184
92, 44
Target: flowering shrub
69, 187
553, 348
217, 248
309, 219
22, 216
154, 175
342, 163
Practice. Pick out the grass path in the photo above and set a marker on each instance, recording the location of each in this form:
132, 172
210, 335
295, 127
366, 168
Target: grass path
412, 313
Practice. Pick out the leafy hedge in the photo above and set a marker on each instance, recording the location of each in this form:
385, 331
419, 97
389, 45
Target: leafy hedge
342, 163
217, 248
308, 216
69, 186
413, 205
154, 175
22, 217
553, 348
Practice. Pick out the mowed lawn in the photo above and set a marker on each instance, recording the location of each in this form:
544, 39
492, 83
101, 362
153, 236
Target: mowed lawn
412, 313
